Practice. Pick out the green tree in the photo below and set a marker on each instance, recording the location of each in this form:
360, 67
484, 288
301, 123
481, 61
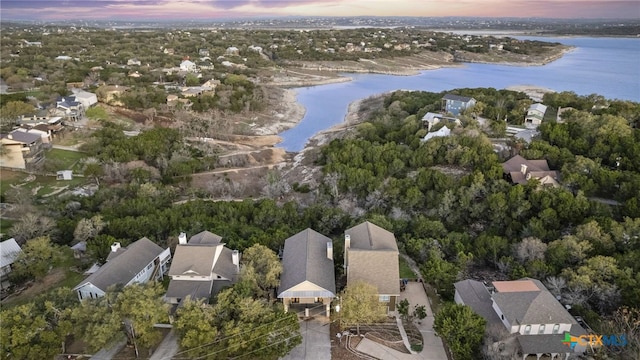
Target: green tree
133, 311
36, 259
462, 329
403, 308
360, 305
13, 109
262, 268
36, 330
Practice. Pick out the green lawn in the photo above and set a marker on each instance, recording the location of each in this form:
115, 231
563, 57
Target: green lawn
65, 159
405, 270
5, 225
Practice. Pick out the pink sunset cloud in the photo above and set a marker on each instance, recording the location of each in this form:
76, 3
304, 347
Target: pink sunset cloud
216, 9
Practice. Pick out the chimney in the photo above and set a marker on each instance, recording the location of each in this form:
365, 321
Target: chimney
235, 259
329, 250
182, 238
347, 246
523, 168
115, 246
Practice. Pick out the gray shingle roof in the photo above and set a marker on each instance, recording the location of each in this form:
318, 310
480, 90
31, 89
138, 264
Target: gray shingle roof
193, 260
455, 97
305, 259
475, 295
538, 344
195, 289
125, 266
532, 307
224, 265
368, 236
23, 137
9, 250
378, 268
205, 237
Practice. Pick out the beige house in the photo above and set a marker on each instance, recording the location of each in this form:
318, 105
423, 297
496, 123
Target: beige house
308, 278
519, 170
535, 115
371, 255
200, 267
21, 150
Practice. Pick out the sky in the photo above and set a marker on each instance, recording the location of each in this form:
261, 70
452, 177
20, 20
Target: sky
220, 9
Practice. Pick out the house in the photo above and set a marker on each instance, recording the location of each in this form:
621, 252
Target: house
455, 104
519, 170
79, 249
63, 57
371, 256
21, 150
257, 49
42, 130
111, 94
9, 251
69, 108
203, 52
561, 111
308, 277
140, 262
64, 175
232, 50
85, 98
134, 62
169, 51
430, 119
527, 310
201, 267
188, 65
535, 114
442, 132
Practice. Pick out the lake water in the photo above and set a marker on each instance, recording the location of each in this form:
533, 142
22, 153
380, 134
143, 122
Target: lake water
605, 66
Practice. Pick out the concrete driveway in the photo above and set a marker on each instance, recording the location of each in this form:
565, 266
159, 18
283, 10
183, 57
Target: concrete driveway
316, 344
167, 348
432, 344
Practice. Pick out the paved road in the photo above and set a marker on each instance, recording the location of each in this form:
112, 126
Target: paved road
316, 344
167, 348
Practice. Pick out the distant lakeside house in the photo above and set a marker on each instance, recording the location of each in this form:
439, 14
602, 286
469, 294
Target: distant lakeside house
308, 278
456, 104
535, 115
371, 256
527, 310
201, 267
140, 262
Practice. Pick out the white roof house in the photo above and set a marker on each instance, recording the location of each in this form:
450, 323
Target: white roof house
187, 65
9, 251
85, 98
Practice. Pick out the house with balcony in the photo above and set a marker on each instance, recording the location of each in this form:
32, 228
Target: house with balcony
140, 262
535, 319
201, 267
21, 150
456, 104
371, 256
308, 278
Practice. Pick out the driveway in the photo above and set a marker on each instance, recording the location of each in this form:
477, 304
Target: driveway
316, 344
167, 348
433, 349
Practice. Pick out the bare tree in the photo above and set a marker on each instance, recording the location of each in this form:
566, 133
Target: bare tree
529, 249
31, 226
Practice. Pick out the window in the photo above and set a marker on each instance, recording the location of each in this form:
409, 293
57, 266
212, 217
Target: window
541, 329
149, 266
556, 328
385, 298
527, 330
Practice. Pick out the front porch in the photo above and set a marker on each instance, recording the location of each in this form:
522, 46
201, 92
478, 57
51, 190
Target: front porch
308, 307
